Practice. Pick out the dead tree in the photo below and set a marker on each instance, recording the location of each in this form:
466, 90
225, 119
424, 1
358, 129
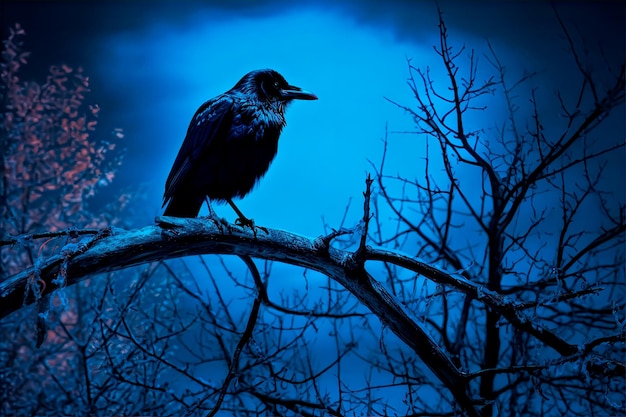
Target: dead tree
525, 208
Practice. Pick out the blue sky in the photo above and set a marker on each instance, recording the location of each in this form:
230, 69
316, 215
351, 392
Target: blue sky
324, 149
152, 65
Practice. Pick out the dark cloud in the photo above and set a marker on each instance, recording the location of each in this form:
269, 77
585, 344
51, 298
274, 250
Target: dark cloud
72, 25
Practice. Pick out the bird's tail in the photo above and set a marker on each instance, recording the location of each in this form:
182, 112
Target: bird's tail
183, 206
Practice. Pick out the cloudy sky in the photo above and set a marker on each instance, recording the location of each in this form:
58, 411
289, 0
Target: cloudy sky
151, 64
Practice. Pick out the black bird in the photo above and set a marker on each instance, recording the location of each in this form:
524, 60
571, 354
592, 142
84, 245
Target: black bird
230, 143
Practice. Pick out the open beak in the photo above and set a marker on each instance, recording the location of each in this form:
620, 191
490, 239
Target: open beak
296, 93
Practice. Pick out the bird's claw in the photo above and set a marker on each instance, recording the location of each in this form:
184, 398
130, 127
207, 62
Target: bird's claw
244, 222
219, 222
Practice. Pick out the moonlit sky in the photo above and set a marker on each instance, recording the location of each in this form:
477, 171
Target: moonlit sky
151, 64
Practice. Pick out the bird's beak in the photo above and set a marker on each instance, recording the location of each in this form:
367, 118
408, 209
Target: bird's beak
296, 93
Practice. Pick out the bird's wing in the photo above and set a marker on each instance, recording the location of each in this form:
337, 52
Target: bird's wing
212, 120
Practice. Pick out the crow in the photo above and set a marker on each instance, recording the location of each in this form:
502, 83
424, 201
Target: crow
230, 143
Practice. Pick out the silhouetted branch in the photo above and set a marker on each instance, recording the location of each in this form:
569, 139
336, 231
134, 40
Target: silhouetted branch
176, 237
233, 369
530, 212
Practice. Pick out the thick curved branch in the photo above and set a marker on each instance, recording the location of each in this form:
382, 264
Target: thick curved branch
176, 237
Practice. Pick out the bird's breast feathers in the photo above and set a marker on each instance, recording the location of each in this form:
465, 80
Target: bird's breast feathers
254, 120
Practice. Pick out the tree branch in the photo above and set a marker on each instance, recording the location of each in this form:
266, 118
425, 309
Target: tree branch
176, 237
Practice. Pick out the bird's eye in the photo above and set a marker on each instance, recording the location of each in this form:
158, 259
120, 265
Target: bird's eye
276, 84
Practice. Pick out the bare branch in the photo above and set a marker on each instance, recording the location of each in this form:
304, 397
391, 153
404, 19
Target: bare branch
176, 237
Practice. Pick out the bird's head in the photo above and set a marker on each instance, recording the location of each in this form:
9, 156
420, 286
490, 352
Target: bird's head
269, 86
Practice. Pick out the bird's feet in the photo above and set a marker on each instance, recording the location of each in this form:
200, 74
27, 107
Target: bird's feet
221, 223
244, 222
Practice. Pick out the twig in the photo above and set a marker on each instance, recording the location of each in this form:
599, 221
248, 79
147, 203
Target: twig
73, 233
359, 254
